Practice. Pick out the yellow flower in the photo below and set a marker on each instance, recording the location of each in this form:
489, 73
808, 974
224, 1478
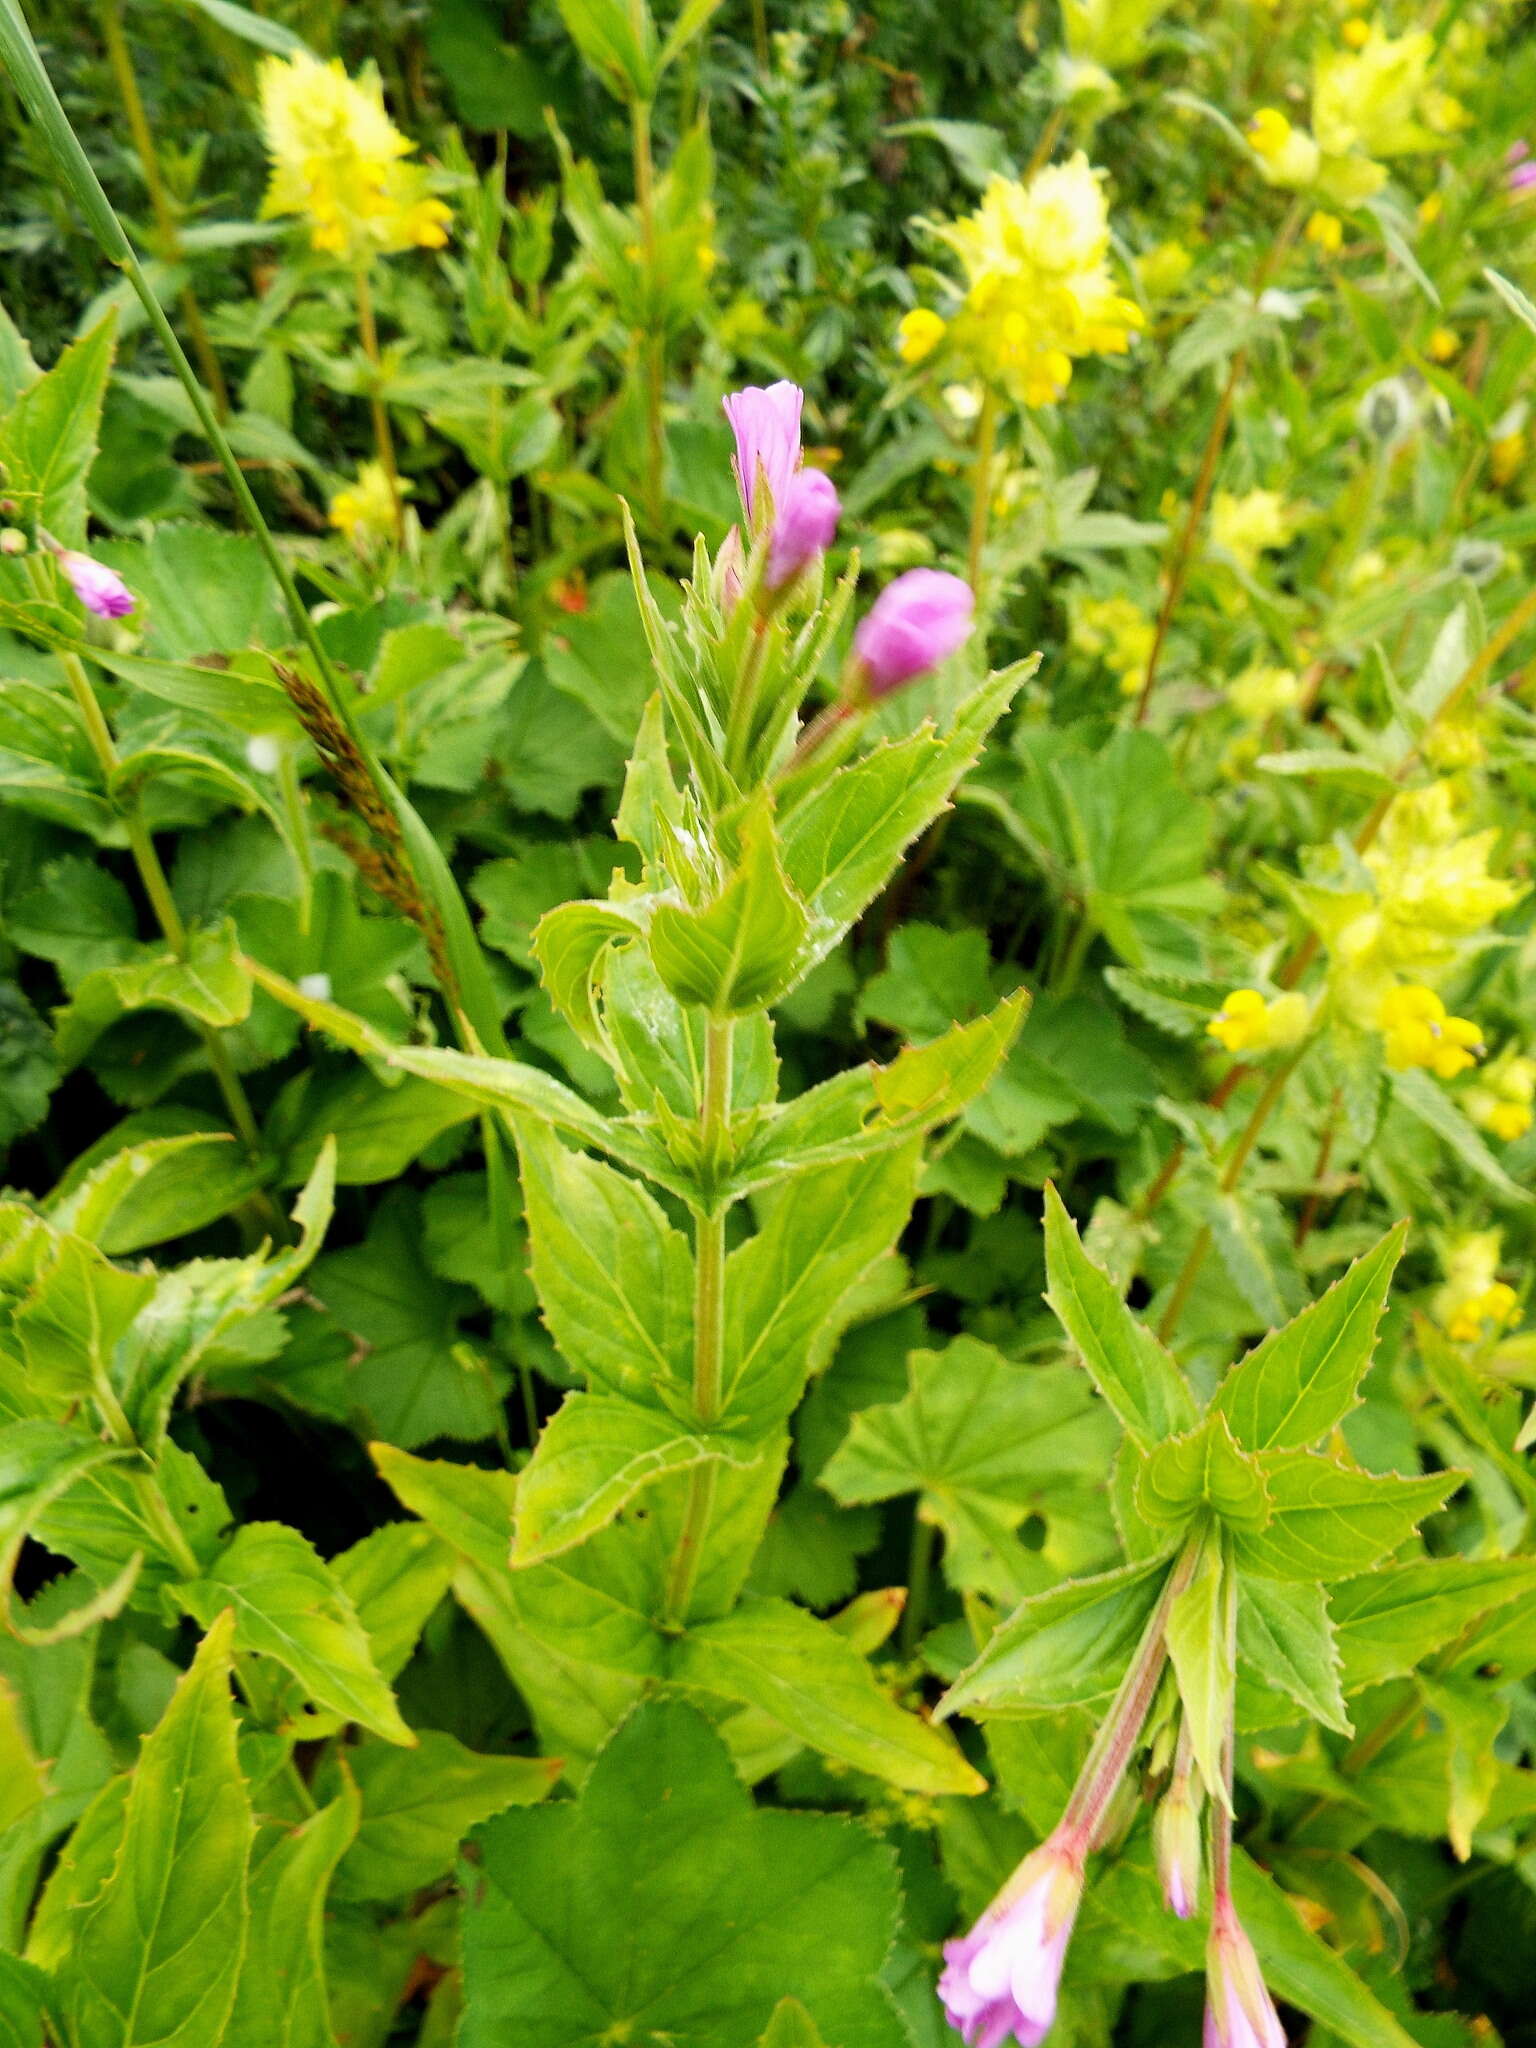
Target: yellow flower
365, 510
339, 160
1247, 1023
1506, 456
1431, 878
1473, 1299
1356, 33
919, 334
1431, 206
1326, 230
1374, 98
1503, 1100
1038, 289
1260, 692
1108, 32
1163, 269
1443, 345
1419, 1034
1245, 527
1288, 157
1116, 631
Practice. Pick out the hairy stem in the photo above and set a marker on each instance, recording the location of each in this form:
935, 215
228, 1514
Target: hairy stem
652, 354
383, 433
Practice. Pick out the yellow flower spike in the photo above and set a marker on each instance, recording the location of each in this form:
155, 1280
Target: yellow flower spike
1326, 232
1247, 1023
1418, 1033
365, 510
1443, 346
1375, 99
918, 334
1490, 1310
339, 161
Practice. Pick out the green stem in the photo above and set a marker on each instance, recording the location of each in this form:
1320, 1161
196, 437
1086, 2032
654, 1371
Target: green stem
383, 435
919, 1577
760, 33
653, 361
163, 1522
981, 487
708, 1324
292, 792
167, 227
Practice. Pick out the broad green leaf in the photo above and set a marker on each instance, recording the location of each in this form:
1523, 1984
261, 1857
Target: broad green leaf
1204, 1469
1302, 1381
594, 1454
40, 1462
1284, 1633
281, 2001
984, 1441
251, 27
1134, 1373
155, 1959
614, 1277
744, 950
1391, 1619
1332, 1520
618, 41
394, 1577
48, 443
1199, 1644
157, 1188
418, 1805
1473, 1717
791, 2027
1301, 1968
378, 1128
1488, 1414
721, 1905
72, 1319
1418, 1093
569, 944
807, 1676
820, 1233
24, 2001
210, 985
1064, 1647
288, 1607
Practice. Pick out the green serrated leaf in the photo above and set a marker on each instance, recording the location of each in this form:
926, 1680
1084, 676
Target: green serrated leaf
1284, 1632
1331, 1520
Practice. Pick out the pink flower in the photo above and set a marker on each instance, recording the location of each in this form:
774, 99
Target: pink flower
766, 424
1176, 1846
1239, 2012
1002, 1978
914, 624
100, 589
805, 522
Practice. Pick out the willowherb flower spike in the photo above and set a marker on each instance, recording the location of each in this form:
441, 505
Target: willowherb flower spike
1239, 2012
1002, 1977
100, 589
915, 623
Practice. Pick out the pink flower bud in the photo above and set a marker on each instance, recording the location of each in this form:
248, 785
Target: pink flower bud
1239, 2012
766, 424
914, 624
1002, 1977
1176, 1845
805, 522
100, 589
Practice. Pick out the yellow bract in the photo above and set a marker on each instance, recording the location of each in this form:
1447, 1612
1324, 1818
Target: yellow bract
1420, 1034
1473, 1299
919, 334
1326, 231
1118, 632
339, 160
1261, 692
1245, 527
365, 510
1379, 100
1247, 1023
1504, 1099
1038, 289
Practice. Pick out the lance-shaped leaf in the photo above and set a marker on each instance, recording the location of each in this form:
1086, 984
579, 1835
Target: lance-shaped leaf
1285, 1635
155, 1958
23, 2004
1390, 1620
869, 1109
209, 984
745, 949
1134, 1373
48, 441
281, 2001
1304, 1379
614, 1277
1488, 1413
1063, 1648
1329, 1520
73, 1317
158, 1188
821, 1233
842, 839
288, 1607
984, 1441
814, 1682
594, 1454
721, 1906
569, 944
40, 1462
1199, 1642
1473, 1717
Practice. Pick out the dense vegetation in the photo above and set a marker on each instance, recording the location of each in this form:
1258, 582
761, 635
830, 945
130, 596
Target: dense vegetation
765, 1020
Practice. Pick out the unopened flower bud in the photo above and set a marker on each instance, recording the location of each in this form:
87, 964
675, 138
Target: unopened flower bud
1176, 1845
1387, 412
12, 541
804, 525
1239, 2012
100, 589
766, 423
914, 624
